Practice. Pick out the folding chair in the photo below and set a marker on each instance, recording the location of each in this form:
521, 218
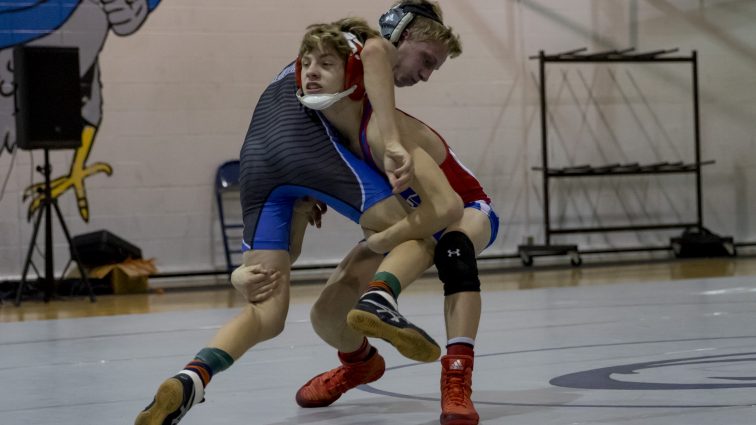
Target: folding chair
229, 211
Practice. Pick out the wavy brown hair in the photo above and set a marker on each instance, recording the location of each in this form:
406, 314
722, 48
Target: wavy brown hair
330, 35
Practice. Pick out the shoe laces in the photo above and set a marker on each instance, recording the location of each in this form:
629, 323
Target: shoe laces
455, 387
342, 379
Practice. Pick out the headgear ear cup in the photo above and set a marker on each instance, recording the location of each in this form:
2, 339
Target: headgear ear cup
353, 70
395, 21
298, 72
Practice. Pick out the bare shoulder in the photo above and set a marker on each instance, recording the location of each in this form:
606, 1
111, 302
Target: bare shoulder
421, 135
379, 48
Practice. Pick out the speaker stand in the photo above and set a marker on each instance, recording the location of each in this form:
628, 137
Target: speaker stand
45, 209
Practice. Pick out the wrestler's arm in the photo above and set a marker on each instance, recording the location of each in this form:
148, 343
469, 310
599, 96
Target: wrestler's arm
440, 206
378, 58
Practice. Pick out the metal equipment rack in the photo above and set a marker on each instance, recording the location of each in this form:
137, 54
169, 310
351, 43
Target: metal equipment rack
527, 252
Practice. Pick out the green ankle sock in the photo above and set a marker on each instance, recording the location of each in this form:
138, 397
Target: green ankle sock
217, 359
391, 281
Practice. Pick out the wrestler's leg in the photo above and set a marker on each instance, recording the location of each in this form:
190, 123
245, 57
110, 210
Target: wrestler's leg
351, 278
349, 281
455, 260
360, 362
462, 309
261, 321
340, 294
255, 323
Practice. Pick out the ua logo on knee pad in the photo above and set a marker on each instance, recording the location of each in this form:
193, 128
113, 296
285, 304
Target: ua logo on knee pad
455, 260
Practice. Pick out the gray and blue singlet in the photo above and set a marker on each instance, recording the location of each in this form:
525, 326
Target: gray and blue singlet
289, 152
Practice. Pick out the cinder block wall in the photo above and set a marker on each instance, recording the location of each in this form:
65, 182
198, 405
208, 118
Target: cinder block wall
178, 92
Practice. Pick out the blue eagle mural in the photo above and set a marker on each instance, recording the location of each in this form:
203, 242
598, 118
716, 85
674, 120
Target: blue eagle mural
85, 24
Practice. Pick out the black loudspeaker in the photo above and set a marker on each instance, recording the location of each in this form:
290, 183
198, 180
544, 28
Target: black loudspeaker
696, 243
48, 97
102, 247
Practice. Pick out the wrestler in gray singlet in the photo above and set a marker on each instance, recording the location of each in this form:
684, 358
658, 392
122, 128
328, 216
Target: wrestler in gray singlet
288, 153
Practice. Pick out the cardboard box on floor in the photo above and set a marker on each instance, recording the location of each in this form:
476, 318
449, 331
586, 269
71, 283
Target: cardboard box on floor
127, 277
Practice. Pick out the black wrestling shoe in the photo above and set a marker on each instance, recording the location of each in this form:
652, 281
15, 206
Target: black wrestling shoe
174, 397
376, 315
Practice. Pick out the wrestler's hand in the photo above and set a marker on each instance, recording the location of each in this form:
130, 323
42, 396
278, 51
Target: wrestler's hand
399, 167
313, 208
255, 282
125, 16
316, 213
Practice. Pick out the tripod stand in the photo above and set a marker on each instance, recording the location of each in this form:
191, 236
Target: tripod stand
48, 203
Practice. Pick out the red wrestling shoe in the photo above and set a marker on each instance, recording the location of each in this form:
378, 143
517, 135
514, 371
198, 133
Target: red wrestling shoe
327, 387
456, 387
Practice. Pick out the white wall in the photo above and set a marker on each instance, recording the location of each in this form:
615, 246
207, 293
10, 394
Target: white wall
178, 95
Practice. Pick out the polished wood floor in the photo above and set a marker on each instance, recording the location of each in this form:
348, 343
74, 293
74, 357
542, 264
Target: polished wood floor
305, 290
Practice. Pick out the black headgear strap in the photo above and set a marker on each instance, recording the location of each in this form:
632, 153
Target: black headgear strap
394, 21
422, 10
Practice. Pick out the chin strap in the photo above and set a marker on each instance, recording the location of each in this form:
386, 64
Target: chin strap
319, 102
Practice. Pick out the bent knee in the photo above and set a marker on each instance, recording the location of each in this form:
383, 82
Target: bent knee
456, 263
271, 326
319, 318
276, 328
324, 314
354, 271
269, 320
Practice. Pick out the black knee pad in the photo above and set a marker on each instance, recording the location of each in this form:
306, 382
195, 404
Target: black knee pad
455, 260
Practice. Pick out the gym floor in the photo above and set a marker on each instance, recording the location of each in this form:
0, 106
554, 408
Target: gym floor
663, 342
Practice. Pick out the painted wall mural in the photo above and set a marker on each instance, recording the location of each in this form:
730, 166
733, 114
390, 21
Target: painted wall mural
85, 24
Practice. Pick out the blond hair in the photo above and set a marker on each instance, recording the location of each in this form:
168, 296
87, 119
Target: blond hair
425, 29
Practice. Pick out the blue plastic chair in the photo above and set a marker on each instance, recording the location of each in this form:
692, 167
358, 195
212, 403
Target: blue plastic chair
227, 181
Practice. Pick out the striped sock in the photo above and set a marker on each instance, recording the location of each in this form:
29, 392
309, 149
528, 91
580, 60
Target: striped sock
201, 369
208, 362
387, 282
